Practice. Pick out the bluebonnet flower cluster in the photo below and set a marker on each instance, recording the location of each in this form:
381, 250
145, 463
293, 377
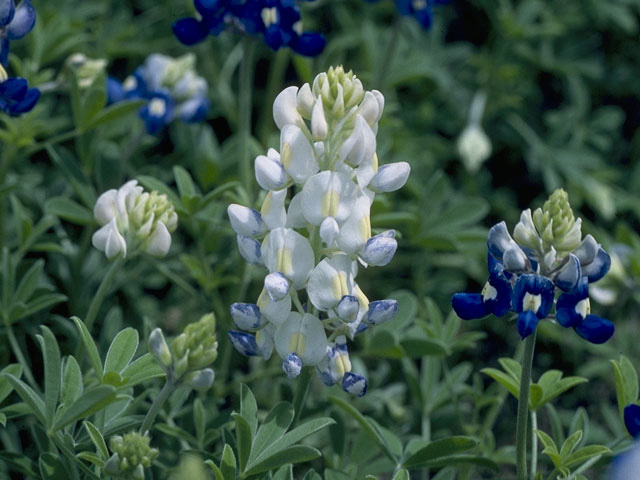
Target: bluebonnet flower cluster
421, 10
278, 21
171, 87
546, 255
15, 22
315, 240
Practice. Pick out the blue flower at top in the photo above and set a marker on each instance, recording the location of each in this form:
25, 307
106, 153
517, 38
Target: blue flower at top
421, 10
15, 23
278, 21
16, 97
632, 419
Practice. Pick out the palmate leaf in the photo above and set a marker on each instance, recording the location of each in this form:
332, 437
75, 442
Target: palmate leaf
91, 402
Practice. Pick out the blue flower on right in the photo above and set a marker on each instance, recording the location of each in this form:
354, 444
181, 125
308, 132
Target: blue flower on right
421, 10
545, 263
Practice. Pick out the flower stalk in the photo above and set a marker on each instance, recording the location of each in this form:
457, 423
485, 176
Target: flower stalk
523, 407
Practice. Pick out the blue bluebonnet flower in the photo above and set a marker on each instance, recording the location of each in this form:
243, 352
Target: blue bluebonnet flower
421, 10
546, 256
632, 419
278, 21
16, 97
15, 23
315, 242
170, 86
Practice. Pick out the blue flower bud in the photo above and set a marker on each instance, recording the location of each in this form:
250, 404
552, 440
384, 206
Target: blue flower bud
249, 249
246, 316
292, 365
348, 308
277, 286
354, 383
382, 311
379, 250
244, 343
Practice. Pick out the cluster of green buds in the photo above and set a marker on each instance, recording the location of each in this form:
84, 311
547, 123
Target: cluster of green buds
131, 455
133, 220
190, 353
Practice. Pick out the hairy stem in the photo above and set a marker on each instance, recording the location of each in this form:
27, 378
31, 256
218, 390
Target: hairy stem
103, 289
167, 390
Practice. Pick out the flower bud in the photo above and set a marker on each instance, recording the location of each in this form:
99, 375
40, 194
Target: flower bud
197, 346
200, 379
292, 365
348, 308
556, 223
131, 455
85, 69
381, 311
329, 230
525, 232
355, 384
305, 101
285, 110
360, 145
297, 154
474, 147
159, 241
379, 250
244, 343
109, 240
245, 221
390, 177
319, 126
249, 249
159, 348
277, 286
246, 316
269, 171
370, 108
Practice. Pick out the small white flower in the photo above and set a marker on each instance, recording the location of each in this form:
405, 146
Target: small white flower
159, 241
269, 171
297, 154
109, 240
274, 312
328, 194
273, 212
285, 110
361, 144
379, 250
245, 221
330, 281
474, 147
390, 177
286, 251
319, 126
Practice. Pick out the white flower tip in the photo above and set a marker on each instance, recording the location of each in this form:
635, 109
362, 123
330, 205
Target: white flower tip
109, 240
245, 221
277, 286
159, 242
285, 107
379, 250
319, 125
249, 249
390, 177
246, 316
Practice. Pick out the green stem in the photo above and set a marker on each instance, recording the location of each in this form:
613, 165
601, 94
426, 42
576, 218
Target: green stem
96, 303
302, 389
523, 407
244, 112
277, 71
167, 390
534, 444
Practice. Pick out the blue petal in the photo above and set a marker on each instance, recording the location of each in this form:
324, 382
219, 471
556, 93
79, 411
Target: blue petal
14, 88
566, 306
189, 31
27, 103
424, 17
208, 7
23, 21
527, 323
595, 329
469, 306
115, 92
632, 419
309, 44
568, 276
244, 343
246, 315
534, 285
498, 240
500, 305
597, 269
194, 110
4, 51
7, 10
354, 384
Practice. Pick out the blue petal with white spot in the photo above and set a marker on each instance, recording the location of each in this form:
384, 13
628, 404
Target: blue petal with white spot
355, 384
292, 365
244, 343
382, 311
569, 310
246, 316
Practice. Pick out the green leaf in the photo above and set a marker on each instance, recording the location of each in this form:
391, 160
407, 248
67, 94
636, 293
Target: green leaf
216, 471
546, 440
199, 419
366, 425
28, 396
384, 344
570, 443
185, 184
67, 209
3, 419
19, 462
243, 440
29, 283
72, 386
463, 459
121, 351
294, 454
512, 367
419, 347
585, 453
503, 379
52, 372
535, 396
91, 402
249, 408
228, 463
97, 439
439, 448
91, 457
90, 347
142, 369
114, 112
6, 388
560, 387
284, 473
40, 302
51, 467
402, 474
274, 426
626, 383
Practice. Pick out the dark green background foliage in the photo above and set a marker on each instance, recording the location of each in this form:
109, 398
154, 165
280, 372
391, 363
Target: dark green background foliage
562, 110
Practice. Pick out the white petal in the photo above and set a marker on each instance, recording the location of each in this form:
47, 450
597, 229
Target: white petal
302, 335
249, 249
329, 281
366, 171
369, 109
106, 207
264, 340
305, 100
276, 285
160, 241
284, 108
295, 214
355, 232
109, 240
273, 212
286, 251
348, 308
274, 312
379, 250
245, 221
329, 230
328, 194
297, 154
525, 232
